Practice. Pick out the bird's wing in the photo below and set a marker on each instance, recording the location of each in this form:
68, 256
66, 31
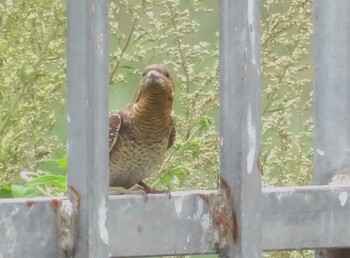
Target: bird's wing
172, 132
115, 121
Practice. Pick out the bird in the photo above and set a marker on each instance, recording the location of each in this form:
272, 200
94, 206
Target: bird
141, 133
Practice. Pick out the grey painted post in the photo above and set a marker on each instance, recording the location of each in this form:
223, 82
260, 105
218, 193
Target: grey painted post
332, 95
87, 76
240, 119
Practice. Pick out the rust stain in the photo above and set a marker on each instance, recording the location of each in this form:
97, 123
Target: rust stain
208, 198
29, 203
75, 196
67, 216
224, 231
231, 220
259, 164
55, 203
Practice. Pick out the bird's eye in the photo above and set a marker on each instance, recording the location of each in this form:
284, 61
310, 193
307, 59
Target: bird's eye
167, 74
144, 74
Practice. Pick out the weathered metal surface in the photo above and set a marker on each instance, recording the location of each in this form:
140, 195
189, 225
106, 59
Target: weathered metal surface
293, 218
306, 217
332, 89
67, 223
28, 228
160, 226
87, 101
332, 96
240, 87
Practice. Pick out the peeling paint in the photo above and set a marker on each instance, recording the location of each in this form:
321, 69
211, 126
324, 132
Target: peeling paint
221, 141
243, 36
178, 205
67, 206
68, 118
284, 194
199, 211
126, 207
220, 220
200, 216
100, 41
340, 180
102, 218
67, 216
252, 142
11, 234
320, 152
206, 222
343, 198
251, 12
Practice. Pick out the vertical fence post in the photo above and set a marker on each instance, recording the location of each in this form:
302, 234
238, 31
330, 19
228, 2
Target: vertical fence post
240, 84
87, 76
331, 96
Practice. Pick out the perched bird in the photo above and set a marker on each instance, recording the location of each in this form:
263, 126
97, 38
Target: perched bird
140, 134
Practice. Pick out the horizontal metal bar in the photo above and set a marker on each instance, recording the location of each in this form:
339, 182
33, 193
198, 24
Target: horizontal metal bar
293, 218
306, 217
27, 227
160, 226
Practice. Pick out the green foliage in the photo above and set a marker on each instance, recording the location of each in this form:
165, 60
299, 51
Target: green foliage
39, 183
44, 184
32, 62
287, 120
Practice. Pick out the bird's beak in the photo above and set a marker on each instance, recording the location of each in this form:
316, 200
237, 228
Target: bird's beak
154, 78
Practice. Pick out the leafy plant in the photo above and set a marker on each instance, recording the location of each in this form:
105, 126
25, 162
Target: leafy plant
39, 183
32, 63
287, 102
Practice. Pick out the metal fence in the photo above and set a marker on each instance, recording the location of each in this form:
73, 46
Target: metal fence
240, 219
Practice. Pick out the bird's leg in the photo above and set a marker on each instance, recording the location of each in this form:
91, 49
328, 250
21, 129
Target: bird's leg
148, 189
145, 187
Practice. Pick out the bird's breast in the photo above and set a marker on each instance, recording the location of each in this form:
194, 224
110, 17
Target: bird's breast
136, 155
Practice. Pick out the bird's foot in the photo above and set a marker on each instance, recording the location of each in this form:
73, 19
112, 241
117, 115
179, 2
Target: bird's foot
123, 191
148, 190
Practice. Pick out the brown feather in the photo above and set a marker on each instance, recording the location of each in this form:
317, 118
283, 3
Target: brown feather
142, 132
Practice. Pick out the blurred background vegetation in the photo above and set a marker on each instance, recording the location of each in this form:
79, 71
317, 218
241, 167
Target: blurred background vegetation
184, 36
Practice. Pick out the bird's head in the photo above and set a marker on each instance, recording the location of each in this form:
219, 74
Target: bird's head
156, 81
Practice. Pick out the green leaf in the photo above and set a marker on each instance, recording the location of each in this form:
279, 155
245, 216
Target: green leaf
205, 122
127, 67
20, 191
55, 180
62, 162
194, 144
6, 191
167, 179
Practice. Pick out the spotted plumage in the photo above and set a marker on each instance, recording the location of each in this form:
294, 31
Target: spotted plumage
140, 134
